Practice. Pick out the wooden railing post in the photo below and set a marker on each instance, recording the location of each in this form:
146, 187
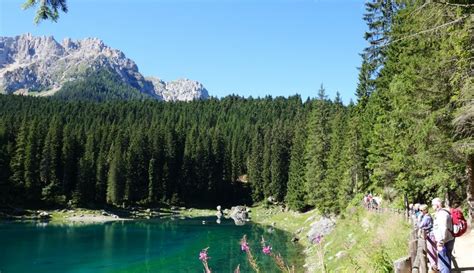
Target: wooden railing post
422, 252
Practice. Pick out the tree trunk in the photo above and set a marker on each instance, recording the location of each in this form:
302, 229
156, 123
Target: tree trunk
470, 185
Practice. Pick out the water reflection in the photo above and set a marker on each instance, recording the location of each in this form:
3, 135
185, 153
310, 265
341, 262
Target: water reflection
156, 245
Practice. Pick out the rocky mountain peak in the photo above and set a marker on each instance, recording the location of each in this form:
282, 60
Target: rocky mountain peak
39, 63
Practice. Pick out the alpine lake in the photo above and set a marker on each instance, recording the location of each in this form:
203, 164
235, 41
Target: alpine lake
154, 245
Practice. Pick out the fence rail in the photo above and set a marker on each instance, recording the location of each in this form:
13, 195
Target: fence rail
416, 261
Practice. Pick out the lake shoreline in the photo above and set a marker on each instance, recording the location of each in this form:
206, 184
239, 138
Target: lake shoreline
98, 215
296, 223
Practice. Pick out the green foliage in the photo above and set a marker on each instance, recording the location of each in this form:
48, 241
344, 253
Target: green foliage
410, 131
412, 145
365, 240
381, 261
47, 10
99, 86
295, 197
145, 152
317, 149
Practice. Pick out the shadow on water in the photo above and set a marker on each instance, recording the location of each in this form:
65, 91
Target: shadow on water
156, 245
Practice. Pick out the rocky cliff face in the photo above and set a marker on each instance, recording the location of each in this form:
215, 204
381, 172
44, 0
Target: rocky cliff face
41, 64
179, 90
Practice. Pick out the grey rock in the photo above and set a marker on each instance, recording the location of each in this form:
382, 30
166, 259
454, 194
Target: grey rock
179, 90
44, 215
39, 63
239, 214
322, 227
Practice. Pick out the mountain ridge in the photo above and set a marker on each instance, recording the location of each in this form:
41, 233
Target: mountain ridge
41, 65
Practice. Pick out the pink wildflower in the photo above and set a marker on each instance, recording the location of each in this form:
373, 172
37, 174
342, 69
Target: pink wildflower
203, 255
318, 239
267, 250
244, 247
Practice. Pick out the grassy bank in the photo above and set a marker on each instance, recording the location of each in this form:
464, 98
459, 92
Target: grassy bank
366, 241
362, 241
295, 223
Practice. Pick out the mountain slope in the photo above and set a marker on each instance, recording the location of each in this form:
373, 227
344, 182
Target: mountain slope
100, 86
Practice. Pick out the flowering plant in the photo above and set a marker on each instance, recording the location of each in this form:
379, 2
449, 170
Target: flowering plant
245, 248
203, 257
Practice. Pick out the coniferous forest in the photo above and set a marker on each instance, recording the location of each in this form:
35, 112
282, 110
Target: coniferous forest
409, 134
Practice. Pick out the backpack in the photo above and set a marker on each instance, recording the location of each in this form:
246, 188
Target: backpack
459, 222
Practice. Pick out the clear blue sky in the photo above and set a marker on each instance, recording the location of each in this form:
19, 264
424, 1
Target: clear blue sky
246, 47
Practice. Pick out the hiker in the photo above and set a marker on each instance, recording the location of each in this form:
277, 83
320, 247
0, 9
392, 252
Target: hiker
366, 201
369, 201
442, 229
416, 214
459, 221
426, 225
377, 200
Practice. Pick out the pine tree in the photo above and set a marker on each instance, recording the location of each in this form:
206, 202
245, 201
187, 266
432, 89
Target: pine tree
17, 163
32, 159
5, 186
115, 175
84, 192
266, 165
136, 166
317, 147
335, 168
153, 179
255, 168
101, 174
70, 156
365, 85
296, 195
379, 17
279, 163
50, 165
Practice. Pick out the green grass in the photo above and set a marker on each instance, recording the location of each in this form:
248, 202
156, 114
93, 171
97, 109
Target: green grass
197, 212
289, 221
361, 242
365, 241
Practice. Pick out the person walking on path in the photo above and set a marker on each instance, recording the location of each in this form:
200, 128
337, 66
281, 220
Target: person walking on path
426, 225
442, 230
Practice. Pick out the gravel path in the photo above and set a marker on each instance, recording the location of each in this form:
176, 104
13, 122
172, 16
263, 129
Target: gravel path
464, 251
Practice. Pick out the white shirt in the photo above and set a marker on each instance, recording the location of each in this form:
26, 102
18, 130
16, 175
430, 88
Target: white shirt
443, 226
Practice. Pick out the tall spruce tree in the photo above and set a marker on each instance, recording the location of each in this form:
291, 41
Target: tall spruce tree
32, 159
332, 182
296, 194
317, 148
50, 165
255, 167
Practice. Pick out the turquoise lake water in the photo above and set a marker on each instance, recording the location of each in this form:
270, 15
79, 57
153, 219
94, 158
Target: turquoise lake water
158, 245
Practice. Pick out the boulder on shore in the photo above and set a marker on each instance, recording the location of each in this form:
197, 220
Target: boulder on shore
44, 215
239, 214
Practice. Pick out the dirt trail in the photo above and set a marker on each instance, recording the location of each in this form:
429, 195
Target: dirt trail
464, 252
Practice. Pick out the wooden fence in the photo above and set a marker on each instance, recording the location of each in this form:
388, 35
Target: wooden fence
417, 261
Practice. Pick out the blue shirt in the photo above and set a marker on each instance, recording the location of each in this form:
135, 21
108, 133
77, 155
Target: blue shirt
426, 223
